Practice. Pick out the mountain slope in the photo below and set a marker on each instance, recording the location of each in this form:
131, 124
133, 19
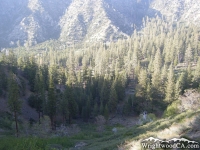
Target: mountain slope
30, 21
89, 22
175, 10
33, 21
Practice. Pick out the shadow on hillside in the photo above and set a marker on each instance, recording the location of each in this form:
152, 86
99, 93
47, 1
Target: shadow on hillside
125, 13
194, 133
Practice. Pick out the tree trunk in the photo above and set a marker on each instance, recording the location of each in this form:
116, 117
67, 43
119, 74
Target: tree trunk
51, 118
64, 119
54, 122
16, 124
69, 119
39, 117
42, 114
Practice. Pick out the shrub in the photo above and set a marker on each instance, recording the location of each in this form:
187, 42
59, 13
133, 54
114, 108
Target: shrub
149, 118
152, 116
171, 109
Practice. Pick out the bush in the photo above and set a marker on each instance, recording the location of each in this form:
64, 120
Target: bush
6, 121
152, 116
149, 118
171, 109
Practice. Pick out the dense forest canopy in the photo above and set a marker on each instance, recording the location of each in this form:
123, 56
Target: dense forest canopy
146, 72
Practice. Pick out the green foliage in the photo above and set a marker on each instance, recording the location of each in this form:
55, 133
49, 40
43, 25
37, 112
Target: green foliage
106, 112
96, 75
101, 108
95, 110
172, 109
149, 118
128, 106
13, 97
30, 71
51, 102
33, 143
6, 121
35, 102
113, 99
3, 80
152, 116
105, 92
169, 92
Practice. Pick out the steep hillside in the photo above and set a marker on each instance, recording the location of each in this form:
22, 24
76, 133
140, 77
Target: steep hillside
100, 20
175, 10
28, 22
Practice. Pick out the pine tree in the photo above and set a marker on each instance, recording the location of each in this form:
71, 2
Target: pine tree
41, 92
88, 107
188, 55
196, 78
177, 90
169, 97
95, 109
38, 97
101, 108
104, 95
71, 75
189, 76
51, 103
72, 104
64, 106
156, 78
148, 93
142, 84
182, 82
84, 113
13, 98
127, 106
106, 112
113, 99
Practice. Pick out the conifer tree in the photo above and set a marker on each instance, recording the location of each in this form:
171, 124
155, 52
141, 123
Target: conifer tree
95, 109
128, 106
196, 78
64, 106
71, 75
38, 102
72, 104
88, 107
101, 108
13, 99
188, 55
106, 112
182, 82
189, 75
169, 97
51, 102
41, 92
177, 90
142, 84
113, 99
105, 91
156, 78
